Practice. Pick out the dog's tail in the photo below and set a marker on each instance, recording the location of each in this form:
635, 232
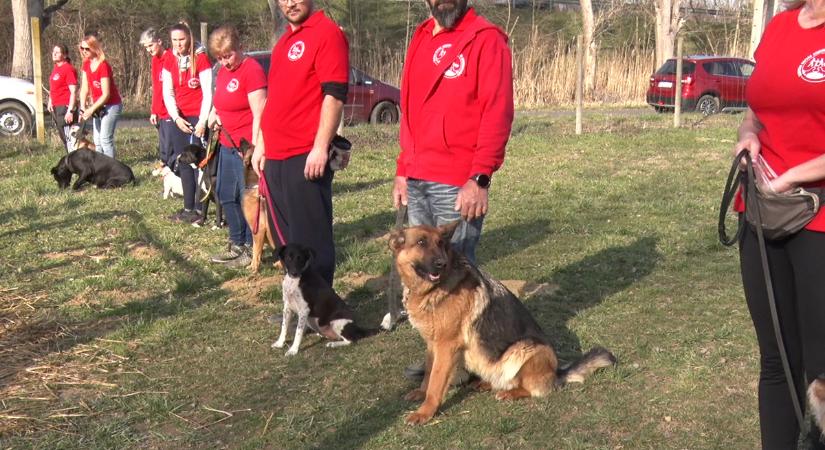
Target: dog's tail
816, 396
595, 359
353, 332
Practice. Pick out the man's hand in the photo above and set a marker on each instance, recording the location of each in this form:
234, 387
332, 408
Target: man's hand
471, 201
153, 119
399, 192
258, 160
316, 162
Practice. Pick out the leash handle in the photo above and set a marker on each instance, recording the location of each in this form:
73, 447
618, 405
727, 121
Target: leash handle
731, 188
264, 190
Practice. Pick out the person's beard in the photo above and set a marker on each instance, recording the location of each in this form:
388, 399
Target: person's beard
449, 12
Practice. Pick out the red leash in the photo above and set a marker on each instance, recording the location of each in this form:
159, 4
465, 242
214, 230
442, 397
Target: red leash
264, 190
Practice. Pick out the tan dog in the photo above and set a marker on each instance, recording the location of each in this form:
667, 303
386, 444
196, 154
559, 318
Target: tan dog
255, 209
468, 319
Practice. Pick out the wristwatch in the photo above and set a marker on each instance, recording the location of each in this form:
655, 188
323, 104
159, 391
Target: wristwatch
482, 180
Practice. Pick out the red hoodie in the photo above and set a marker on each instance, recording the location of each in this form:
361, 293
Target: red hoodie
456, 102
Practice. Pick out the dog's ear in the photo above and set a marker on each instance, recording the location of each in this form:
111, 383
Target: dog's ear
280, 252
310, 257
397, 239
446, 231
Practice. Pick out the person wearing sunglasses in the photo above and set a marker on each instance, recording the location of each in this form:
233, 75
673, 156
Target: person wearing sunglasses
99, 93
187, 94
62, 91
151, 41
308, 87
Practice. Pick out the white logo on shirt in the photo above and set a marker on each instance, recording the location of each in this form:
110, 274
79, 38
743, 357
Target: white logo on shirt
232, 86
296, 51
96, 84
56, 77
456, 68
812, 68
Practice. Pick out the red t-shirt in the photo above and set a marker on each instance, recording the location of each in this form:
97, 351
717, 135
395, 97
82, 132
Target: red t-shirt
787, 94
188, 93
104, 70
61, 78
314, 53
456, 102
231, 99
158, 107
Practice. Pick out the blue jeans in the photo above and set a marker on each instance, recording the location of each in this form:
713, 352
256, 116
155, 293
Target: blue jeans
431, 203
104, 129
230, 193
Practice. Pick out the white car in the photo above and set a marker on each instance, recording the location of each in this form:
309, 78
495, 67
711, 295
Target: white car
16, 107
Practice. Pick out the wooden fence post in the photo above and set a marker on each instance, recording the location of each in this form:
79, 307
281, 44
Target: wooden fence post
677, 88
39, 118
579, 82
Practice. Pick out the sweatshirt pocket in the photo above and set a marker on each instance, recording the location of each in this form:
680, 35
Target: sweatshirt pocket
432, 133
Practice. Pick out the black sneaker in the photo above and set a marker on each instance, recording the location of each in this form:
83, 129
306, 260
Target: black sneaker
234, 252
196, 218
180, 215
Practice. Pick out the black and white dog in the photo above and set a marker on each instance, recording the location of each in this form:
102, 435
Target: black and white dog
207, 180
315, 303
91, 167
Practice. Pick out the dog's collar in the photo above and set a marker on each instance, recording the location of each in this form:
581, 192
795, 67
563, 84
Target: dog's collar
251, 186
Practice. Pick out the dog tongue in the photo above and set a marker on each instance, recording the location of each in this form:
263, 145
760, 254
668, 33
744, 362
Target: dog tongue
434, 277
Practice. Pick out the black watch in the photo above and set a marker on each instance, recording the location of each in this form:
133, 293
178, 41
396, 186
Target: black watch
483, 181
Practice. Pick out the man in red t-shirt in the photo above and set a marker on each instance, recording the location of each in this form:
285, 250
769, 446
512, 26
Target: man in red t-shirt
151, 40
309, 71
456, 114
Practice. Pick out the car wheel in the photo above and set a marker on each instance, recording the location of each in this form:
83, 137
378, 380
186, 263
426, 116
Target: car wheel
384, 112
707, 105
15, 119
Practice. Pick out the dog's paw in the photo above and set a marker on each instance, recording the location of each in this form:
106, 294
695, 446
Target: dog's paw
291, 352
418, 418
278, 344
415, 395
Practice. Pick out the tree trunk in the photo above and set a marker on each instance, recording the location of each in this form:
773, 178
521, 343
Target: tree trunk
589, 40
668, 24
21, 61
278, 21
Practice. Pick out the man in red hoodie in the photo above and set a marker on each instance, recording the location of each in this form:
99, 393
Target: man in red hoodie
456, 111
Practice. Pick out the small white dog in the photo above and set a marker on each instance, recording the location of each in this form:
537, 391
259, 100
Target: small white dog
171, 183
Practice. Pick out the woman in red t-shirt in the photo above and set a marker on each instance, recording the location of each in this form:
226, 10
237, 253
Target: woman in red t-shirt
240, 95
187, 94
99, 98
62, 91
151, 40
784, 127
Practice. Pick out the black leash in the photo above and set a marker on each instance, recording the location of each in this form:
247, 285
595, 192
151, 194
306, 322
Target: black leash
394, 284
750, 192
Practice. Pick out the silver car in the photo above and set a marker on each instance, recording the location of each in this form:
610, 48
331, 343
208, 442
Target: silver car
16, 107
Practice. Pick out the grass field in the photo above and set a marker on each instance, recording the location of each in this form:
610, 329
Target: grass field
115, 331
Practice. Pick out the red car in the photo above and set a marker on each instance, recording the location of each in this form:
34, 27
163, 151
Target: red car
710, 84
369, 100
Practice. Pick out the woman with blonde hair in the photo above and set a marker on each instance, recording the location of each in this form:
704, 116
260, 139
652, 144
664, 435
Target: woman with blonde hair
99, 98
240, 95
187, 94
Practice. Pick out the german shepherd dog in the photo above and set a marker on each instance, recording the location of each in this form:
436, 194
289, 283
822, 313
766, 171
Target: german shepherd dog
816, 397
255, 210
469, 319
315, 303
207, 180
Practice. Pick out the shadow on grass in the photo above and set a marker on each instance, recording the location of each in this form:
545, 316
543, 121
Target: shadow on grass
587, 283
353, 187
43, 333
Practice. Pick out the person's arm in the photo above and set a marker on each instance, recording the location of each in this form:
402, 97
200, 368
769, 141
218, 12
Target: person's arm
84, 92
812, 170
205, 77
105, 93
331, 110
495, 89
258, 158
171, 104
72, 101
214, 121
748, 135
257, 100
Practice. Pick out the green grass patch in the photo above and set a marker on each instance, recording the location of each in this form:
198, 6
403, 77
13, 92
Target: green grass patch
116, 331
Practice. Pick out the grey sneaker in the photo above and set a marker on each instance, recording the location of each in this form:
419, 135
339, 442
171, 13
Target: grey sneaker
244, 260
233, 253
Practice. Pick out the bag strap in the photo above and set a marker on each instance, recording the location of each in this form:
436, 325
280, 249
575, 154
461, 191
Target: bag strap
749, 191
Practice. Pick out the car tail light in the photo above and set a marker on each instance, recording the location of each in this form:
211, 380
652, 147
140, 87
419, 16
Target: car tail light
687, 80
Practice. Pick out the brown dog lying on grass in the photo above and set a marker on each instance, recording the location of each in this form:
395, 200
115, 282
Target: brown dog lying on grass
469, 319
255, 210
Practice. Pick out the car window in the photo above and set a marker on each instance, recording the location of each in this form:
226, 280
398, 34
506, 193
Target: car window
746, 68
730, 69
669, 68
263, 60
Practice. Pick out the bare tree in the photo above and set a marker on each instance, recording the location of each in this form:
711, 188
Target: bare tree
594, 23
668, 23
278, 21
23, 11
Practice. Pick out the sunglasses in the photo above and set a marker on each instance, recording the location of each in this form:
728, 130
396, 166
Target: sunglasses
85, 49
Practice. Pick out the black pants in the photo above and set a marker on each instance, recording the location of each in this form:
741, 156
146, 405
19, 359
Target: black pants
798, 276
59, 116
178, 140
303, 209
